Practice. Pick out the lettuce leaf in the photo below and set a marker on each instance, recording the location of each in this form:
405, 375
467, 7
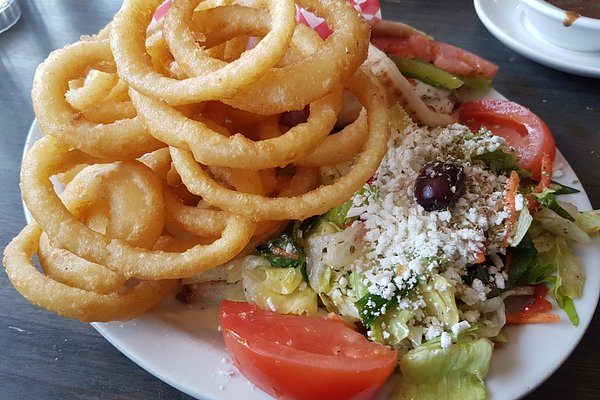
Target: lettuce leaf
559, 188
560, 226
337, 215
569, 279
547, 198
588, 221
372, 306
334, 294
481, 272
431, 372
522, 258
391, 328
500, 161
283, 252
557, 266
440, 301
282, 290
493, 312
337, 250
521, 227
538, 273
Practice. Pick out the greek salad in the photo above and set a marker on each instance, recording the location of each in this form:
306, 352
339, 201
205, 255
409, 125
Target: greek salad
460, 232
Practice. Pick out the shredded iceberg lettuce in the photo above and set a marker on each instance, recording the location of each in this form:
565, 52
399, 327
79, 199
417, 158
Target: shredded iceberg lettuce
560, 226
431, 372
337, 249
588, 221
393, 327
440, 301
282, 290
570, 277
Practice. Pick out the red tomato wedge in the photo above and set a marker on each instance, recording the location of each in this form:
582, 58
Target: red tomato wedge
521, 129
443, 55
536, 311
301, 357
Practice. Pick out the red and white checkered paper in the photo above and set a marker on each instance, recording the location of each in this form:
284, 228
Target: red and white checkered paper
370, 10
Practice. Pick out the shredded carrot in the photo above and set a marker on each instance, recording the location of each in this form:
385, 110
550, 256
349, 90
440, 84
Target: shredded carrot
546, 174
480, 257
545, 181
535, 318
511, 191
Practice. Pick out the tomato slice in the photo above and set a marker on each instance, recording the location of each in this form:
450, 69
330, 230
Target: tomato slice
449, 58
302, 357
535, 311
521, 129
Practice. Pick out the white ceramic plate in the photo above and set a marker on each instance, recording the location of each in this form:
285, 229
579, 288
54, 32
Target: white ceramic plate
506, 20
182, 345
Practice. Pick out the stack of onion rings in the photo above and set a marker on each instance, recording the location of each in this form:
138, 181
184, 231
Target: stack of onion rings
169, 145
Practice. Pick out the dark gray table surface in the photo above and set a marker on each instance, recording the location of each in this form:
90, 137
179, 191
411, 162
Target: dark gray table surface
44, 356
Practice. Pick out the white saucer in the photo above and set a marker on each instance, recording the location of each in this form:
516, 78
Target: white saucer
506, 20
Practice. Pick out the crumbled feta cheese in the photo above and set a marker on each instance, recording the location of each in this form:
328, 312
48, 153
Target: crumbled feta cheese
499, 280
519, 202
481, 289
460, 327
404, 243
401, 236
446, 340
433, 328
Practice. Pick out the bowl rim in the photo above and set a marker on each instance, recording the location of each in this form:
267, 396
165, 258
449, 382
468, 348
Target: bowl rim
558, 13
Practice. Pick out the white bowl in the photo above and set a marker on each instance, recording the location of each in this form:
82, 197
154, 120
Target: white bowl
548, 21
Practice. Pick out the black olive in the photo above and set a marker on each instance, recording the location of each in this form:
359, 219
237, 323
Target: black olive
438, 185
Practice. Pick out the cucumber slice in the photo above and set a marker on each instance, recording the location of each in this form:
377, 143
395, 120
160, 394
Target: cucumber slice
477, 83
427, 73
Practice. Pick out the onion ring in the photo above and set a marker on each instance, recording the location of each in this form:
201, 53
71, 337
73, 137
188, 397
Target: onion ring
370, 93
97, 85
275, 92
160, 56
47, 157
133, 198
197, 220
72, 302
221, 24
65, 267
123, 139
339, 147
127, 41
237, 151
295, 85
137, 225
110, 111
